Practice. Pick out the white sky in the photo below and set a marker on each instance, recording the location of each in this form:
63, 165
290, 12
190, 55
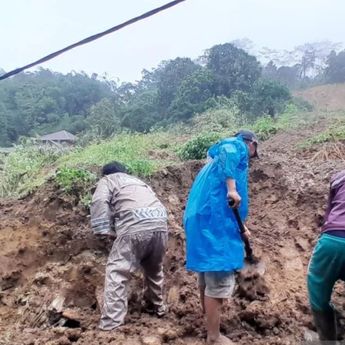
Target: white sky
30, 29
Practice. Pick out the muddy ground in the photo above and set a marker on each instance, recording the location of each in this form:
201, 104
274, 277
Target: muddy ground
52, 268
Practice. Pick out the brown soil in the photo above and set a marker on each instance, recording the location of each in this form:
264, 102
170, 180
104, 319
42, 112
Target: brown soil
325, 97
52, 268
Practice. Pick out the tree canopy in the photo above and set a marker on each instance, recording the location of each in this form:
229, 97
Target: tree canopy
335, 71
175, 91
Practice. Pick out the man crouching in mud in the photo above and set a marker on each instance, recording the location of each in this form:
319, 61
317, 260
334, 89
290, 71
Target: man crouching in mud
214, 245
126, 208
327, 264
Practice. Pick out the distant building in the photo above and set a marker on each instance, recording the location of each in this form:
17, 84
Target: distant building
59, 138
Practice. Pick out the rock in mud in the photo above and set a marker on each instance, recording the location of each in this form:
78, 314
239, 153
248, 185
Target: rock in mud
151, 340
173, 295
57, 304
41, 278
71, 314
310, 336
170, 333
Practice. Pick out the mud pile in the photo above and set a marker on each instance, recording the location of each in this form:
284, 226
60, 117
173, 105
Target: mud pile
52, 268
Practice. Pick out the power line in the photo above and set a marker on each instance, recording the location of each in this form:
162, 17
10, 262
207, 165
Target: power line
92, 38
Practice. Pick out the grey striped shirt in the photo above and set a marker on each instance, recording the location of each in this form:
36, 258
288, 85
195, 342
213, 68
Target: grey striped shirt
123, 203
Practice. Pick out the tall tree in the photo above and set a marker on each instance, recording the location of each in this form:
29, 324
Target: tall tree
335, 70
141, 113
192, 95
269, 97
168, 77
45, 101
104, 116
233, 68
4, 139
289, 76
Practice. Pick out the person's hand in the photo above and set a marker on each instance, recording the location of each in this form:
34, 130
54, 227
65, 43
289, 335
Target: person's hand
247, 234
234, 198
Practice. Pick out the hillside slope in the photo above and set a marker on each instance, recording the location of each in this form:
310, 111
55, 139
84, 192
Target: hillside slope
48, 257
325, 97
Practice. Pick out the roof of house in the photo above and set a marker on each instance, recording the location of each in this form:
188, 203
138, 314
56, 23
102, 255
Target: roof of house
59, 136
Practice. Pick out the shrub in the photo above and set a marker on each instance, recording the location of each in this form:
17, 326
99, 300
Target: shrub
76, 182
267, 97
219, 118
21, 169
197, 147
264, 127
301, 104
141, 167
130, 149
70, 179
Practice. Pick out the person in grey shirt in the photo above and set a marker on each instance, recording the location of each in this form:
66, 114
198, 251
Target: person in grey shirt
125, 208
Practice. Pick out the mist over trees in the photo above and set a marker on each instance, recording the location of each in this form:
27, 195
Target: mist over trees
335, 70
257, 82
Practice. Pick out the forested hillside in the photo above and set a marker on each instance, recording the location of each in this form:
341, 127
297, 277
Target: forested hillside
44, 101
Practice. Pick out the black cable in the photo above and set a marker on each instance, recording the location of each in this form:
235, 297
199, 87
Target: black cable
92, 38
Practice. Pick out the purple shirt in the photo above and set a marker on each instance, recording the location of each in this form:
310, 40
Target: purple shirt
335, 213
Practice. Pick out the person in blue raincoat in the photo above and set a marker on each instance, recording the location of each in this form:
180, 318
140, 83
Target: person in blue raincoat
213, 242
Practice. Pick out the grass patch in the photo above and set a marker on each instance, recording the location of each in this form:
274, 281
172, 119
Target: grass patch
196, 148
335, 133
70, 179
29, 166
23, 169
77, 182
136, 151
264, 127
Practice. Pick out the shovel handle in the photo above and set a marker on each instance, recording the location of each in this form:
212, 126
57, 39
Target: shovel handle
237, 216
247, 246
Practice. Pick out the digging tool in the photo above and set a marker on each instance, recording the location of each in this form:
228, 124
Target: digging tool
249, 251
250, 258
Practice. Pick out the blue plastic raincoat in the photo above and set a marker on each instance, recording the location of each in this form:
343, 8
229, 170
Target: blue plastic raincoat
212, 234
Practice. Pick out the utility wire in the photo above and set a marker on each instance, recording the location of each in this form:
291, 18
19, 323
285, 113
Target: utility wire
92, 38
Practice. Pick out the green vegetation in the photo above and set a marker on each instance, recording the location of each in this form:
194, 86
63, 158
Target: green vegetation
134, 150
44, 101
335, 70
76, 182
175, 91
175, 112
264, 127
70, 179
336, 132
196, 148
223, 116
24, 169
29, 166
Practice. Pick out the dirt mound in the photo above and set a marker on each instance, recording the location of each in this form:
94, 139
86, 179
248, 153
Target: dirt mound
325, 97
52, 268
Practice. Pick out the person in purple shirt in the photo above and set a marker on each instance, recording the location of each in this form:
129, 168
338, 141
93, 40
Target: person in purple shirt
327, 264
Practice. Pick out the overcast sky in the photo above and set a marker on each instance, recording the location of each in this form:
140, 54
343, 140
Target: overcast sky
30, 29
